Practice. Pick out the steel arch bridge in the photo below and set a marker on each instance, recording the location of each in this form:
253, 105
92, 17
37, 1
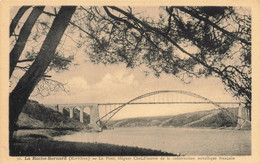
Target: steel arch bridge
136, 101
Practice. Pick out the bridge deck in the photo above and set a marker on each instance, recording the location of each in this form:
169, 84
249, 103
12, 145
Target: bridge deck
141, 103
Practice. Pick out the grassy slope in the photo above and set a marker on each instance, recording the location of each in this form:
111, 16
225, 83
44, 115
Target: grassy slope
35, 115
39, 142
211, 118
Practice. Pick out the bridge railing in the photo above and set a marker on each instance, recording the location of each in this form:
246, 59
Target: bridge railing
136, 101
150, 99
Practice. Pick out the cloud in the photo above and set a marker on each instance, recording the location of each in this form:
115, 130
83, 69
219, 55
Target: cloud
77, 84
115, 86
117, 80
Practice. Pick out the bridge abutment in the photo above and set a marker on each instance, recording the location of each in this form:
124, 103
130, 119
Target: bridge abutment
243, 121
94, 114
94, 117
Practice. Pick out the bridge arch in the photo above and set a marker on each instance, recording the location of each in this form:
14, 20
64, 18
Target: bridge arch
117, 109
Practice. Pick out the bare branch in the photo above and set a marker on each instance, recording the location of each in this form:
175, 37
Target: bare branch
195, 15
25, 60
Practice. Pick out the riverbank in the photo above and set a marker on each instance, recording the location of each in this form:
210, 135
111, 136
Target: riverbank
40, 143
151, 141
40, 126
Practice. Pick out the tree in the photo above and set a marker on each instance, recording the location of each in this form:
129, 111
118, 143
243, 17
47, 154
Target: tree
23, 35
17, 18
186, 42
36, 71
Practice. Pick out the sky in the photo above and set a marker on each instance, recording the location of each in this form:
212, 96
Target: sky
90, 83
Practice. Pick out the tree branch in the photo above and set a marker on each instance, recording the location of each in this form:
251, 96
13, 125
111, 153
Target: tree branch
23, 37
49, 14
195, 15
166, 36
25, 60
17, 18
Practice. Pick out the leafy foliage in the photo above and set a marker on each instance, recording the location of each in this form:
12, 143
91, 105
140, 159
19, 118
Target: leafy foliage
188, 42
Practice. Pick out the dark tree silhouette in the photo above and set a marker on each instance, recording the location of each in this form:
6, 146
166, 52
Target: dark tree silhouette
186, 42
23, 36
17, 18
36, 71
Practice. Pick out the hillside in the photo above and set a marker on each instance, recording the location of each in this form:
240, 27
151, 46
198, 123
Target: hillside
212, 118
52, 123
35, 115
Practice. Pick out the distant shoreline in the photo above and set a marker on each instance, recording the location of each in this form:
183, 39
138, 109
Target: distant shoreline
53, 132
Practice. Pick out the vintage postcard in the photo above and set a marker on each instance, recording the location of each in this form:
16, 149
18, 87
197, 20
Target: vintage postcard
134, 81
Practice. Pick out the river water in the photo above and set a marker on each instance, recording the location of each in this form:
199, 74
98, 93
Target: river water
186, 141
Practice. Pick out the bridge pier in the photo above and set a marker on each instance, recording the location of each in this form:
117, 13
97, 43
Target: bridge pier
81, 119
60, 109
94, 114
93, 111
71, 112
56, 108
94, 117
243, 121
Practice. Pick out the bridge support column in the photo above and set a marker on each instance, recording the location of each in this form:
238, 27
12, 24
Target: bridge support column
60, 109
81, 115
71, 112
94, 117
243, 121
56, 108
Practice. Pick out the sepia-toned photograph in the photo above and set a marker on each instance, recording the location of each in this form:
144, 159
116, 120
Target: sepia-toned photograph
130, 80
